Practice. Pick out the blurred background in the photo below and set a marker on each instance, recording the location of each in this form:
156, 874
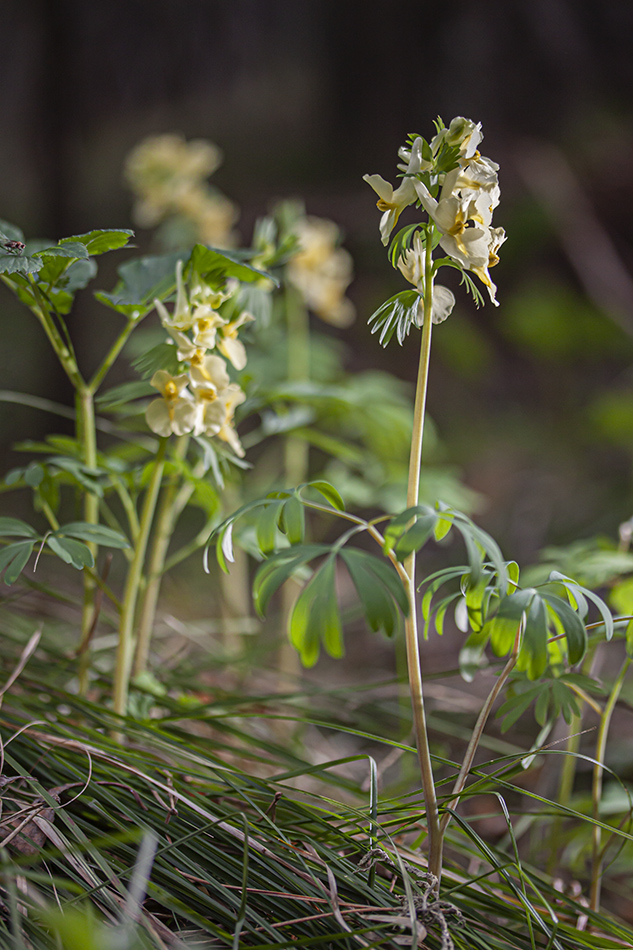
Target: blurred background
533, 401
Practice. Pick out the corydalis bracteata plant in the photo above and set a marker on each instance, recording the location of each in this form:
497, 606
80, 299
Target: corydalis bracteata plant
458, 188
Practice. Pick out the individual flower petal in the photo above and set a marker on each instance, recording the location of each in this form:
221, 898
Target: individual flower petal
234, 350
413, 163
443, 303
208, 371
461, 132
211, 411
205, 325
496, 238
232, 398
169, 386
171, 415
181, 318
228, 343
391, 202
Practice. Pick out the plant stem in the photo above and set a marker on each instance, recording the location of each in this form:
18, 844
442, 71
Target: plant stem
596, 788
125, 648
411, 622
296, 457
113, 352
166, 518
87, 435
63, 353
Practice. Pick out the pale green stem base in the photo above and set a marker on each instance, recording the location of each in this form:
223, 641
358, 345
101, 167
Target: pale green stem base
87, 435
596, 790
125, 649
169, 510
296, 467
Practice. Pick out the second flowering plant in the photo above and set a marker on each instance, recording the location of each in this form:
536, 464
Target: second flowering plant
538, 630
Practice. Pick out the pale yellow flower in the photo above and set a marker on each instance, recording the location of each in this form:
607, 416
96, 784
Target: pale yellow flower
181, 318
175, 412
453, 216
162, 168
208, 371
228, 343
322, 271
461, 132
213, 215
231, 398
204, 327
496, 237
391, 203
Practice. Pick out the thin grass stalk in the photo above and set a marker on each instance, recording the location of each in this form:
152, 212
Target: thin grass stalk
166, 518
477, 733
597, 854
411, 622
125, 648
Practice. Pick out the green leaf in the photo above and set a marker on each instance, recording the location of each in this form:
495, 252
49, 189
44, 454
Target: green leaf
81, 473
278, 568
470, 655
293, 520
70, 551
401, 242
266, 526
315, 617
329, 493
400, 523
573, 626
396, 315
34, 475
503, 627
575, 590
162, 356
97, 533
629, 638
219, 265
140, 281
65, 249
14, 558
14, 528
16, 264
515, 707
124, 394
533, 655
60, 278
416, 536
376, 600
442, 527
98, 242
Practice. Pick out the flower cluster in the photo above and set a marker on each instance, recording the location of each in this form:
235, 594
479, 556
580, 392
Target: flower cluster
459, 189
322, 271
169, 176
202, 399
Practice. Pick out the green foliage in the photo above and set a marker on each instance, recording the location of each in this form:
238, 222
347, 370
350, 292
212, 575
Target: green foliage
396, 315
141, 281
553, 696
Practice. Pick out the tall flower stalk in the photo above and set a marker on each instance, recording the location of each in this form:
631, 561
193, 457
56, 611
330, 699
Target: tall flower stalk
411, 622
458, 188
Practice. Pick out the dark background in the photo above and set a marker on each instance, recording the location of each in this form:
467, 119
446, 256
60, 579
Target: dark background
533, 400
